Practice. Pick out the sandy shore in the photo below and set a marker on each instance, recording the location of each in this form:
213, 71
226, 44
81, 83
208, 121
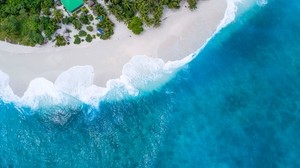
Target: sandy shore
181, 33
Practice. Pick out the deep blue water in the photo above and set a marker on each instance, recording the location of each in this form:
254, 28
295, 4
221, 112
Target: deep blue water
236, 105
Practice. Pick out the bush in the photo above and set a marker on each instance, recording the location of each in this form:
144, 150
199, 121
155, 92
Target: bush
72, 18
90, 28
36, 38
84, 19
91, 17
77, 24
46, 11
58, 15
77, 40
192, 4
104, 36
84, 10
89, 38
67, 20
136, 25
174, 4
82, 33
48, 25
108, 28
60, 41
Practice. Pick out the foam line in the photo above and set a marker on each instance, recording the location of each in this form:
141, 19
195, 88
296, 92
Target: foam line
140, 74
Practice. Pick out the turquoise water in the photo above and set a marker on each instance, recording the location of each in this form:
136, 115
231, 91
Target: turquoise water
237, 104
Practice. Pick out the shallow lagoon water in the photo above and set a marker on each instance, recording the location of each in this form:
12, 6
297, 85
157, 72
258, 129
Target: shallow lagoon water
237, 104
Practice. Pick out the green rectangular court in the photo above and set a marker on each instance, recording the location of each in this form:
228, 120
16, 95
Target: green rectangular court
72, 5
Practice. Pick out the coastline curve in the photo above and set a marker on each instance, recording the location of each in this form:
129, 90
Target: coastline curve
141, 74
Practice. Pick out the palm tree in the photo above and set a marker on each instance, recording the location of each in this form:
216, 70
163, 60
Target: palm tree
58, 15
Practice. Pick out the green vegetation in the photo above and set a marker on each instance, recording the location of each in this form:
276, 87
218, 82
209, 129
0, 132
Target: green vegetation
77, 24
84, 10
68, 20
20, 21
105, 24
88, 38
90, 28
150, 12
60, 41
77, 40
136, 25
84, 18
82, 33
192, 4
91, 17
48, 25
32, 22
58, 15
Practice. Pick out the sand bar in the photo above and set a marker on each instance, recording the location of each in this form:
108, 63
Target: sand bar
182, 32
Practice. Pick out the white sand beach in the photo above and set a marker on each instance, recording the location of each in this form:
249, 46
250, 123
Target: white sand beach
182, 32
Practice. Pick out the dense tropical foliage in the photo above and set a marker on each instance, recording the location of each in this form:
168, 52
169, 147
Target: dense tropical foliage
21, 21
32, 22
136, 25
150, 11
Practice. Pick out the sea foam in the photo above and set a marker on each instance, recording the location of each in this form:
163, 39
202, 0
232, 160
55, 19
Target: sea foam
262, 3
78, 82
140, 74
40, 92
6, 93
230, 14
143, 74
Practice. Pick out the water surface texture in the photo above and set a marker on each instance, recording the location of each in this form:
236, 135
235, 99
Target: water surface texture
237, 104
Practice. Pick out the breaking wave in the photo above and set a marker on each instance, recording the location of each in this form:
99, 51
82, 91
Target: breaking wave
140, 75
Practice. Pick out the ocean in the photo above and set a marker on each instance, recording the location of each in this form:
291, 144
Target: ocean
236, 104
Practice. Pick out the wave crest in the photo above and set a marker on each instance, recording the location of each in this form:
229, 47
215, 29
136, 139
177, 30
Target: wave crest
140, 74
6, 93
78, 82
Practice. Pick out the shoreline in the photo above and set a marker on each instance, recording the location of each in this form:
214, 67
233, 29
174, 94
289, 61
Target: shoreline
180, 34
